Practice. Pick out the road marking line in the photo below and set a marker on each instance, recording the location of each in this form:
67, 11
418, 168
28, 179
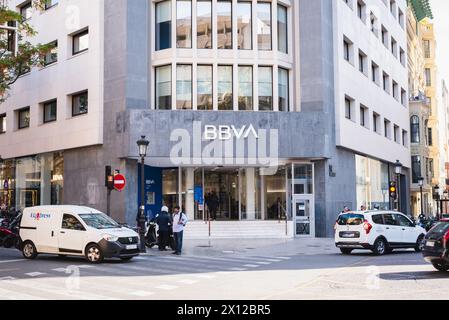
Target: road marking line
238, 269
85, 266
59, 269
7, 278
283, 258
263, 263
16, 260
166, 287
273, 260
187, 281
35, 274
251, 265
142, 293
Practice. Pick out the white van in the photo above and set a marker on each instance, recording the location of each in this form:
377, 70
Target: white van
77, 231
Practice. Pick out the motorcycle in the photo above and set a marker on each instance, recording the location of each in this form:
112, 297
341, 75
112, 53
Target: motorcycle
152, 236
9, 232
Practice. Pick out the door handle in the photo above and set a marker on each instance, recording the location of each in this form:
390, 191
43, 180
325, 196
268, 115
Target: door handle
62, 231
387, 228
403, 229
52, 233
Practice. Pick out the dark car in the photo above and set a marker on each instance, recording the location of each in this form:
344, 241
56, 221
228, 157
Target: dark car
436, 245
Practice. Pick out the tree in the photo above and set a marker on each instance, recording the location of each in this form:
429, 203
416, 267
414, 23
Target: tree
17, 54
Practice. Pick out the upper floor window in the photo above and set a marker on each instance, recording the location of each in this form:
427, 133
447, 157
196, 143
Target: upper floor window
361, 8
163, 25
204, 87
224, 24
50, 3
264, 26
283, 90
265, 88
52, 55
3, 123
183, 86
163, 87
349, 105
204, 24
225, 90
81, 42
414, 127
26, 10
246, 88
184, 24
282, 29
24, 118
384, 33
49, 109
426, 44
80, 103
428, 77
244, 26
376, 122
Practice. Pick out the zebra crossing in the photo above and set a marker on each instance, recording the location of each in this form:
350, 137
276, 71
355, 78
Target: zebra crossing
144, 277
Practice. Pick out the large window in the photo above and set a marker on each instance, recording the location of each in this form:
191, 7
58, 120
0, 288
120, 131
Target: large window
264, 26
3, 123
283, 90
244, 26
80, 103
163, 25
414, 127
52, 55
204, 24
416, 168
265, 88
50, 3
184, 87
184, 24
245, 88
428, 77
204, 87
49, 109
81, 42
224, 24
163, 87
225, 92
24, 118
282, 29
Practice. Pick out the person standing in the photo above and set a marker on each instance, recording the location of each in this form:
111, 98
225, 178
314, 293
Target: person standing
179, 222
164, 222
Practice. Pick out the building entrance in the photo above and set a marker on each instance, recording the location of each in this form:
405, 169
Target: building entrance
221, 194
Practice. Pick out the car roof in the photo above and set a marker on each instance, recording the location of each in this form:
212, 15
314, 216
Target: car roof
369, 212
63, 208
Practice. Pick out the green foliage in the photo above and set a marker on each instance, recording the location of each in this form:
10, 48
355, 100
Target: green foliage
15, 64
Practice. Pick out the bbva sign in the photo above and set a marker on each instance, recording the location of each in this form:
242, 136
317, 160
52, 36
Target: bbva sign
224, 132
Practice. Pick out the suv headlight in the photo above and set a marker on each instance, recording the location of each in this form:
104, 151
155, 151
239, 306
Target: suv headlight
109, 237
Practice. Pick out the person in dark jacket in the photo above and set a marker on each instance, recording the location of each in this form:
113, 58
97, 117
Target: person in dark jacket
164, 221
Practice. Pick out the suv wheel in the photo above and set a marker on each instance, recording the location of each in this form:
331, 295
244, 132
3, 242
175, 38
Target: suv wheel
420, 244
440, 266
345, 250
380, 247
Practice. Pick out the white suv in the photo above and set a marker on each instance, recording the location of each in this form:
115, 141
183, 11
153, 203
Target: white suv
378, 231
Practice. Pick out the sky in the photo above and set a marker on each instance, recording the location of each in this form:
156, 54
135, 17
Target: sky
440, 9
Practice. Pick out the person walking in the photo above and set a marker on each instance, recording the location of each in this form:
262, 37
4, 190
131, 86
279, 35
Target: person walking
179, 222
164, 221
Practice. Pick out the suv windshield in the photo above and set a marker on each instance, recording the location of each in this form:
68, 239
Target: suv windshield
99, 221
352, 219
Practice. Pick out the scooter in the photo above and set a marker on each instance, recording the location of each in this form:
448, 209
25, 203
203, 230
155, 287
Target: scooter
9, 235
152, 236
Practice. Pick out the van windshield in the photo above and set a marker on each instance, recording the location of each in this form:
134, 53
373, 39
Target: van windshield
99, 221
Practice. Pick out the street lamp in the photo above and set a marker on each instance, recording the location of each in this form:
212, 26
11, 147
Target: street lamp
142, 143
421, 183
398, 171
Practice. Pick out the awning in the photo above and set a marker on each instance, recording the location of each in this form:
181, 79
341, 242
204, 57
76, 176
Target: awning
421, 9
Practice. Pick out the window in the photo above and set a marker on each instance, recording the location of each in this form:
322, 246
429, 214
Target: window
361, 8
183, 87
403, 97
416, 168
283, 89
363, 116
245, 88
225, 92
348, 108
80, 42
385, 37
414, 127
69, 222
50, 3
431, 169
163, 25
362, 62
224, 24
3, 123
349, 3
404, 138
374, 72
184, 24
428, 77
24, 118
264, 25
394, 47
403, 221
426, 44
49, 109
244, 26
282, 29
402, 56
386, 82
265, 88
373, 24
51, 56
376, 124
204, 25
80, 103
395, 90
387, 129
389, 220
163, 87
430, 137
26, 11
393, 7
396, 133
401, 18
204, 87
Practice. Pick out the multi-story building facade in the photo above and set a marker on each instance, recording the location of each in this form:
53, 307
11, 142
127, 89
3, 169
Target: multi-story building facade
422, 107
255, 110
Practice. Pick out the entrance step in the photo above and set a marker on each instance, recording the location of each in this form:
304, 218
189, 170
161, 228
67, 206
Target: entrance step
238, 229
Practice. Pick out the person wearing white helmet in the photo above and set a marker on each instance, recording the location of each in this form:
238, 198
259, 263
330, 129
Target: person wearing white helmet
164, 221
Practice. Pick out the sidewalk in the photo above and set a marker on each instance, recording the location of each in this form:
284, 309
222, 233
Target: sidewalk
255, 247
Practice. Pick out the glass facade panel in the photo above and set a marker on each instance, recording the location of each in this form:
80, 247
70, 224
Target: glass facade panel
184, 87
264, 26
81, 42
303, 179
282, 29
225, 92
163, 88
265, 88
275, 195
204, 24
245, 88
163, 25
204, 88
244, 26
283, 90
224, 24
184, 24
170, 185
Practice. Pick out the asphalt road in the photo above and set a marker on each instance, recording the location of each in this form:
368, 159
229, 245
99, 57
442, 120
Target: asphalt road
324, 274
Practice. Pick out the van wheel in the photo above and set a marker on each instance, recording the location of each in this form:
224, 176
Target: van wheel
94, 254
345, 250
420, 244
29, 250
440, 266
380, 247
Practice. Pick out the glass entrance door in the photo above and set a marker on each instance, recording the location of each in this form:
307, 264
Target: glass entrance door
304, 216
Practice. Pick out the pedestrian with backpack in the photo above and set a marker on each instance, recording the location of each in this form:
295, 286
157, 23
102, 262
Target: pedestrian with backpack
179, 222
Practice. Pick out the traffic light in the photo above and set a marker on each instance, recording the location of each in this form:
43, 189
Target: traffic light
109, 178
393, 190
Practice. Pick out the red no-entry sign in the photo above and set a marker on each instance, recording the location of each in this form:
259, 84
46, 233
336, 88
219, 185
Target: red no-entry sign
119, 182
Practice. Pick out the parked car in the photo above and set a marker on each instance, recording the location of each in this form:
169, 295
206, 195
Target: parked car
378, 231
436, 246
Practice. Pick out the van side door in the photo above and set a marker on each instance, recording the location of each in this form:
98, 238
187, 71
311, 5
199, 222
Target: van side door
72, 235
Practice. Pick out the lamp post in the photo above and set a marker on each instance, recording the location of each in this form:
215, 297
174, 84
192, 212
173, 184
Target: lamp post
398, 171
421, 183
142, 143
437, 198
